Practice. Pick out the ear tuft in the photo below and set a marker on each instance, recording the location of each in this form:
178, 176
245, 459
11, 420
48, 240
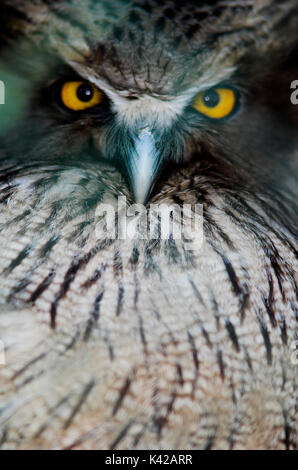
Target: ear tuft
11, 20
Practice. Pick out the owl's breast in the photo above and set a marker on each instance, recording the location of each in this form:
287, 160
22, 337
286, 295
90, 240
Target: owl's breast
144, 341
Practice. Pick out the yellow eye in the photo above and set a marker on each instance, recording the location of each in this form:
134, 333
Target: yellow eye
78, 96
216, 103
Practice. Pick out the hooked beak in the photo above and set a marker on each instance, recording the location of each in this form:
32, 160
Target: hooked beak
143, 166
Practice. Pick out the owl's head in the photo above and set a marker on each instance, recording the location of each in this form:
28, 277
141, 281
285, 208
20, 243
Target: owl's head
147, 86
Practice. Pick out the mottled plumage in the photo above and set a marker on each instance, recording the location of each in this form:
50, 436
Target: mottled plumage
134, 344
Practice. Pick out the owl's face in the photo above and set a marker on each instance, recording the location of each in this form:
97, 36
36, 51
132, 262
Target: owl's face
145, 87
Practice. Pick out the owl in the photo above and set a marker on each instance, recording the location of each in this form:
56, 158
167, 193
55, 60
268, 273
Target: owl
117, 342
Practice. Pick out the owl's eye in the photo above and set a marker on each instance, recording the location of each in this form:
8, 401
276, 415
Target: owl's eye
216, 103
79, 96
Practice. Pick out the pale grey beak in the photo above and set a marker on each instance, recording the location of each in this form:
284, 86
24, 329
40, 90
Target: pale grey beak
144, 164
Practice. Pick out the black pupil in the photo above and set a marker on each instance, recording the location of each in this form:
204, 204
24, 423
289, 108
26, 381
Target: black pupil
211, 98
85, 92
